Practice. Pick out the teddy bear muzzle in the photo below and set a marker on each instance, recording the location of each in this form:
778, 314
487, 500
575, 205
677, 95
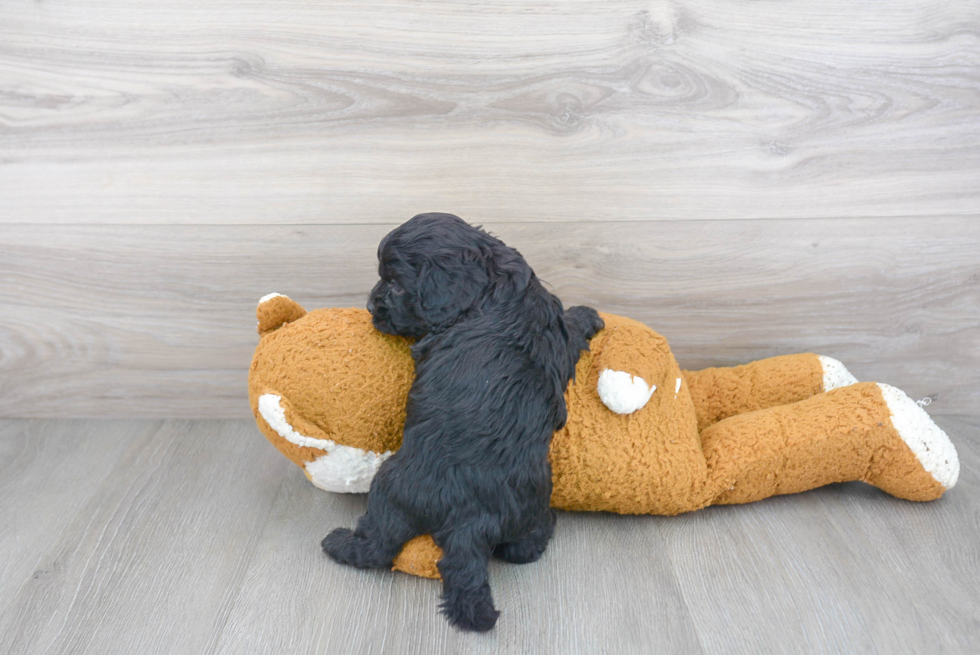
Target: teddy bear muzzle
341, 469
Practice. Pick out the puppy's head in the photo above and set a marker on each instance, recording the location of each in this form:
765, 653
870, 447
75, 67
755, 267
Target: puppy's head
434, 269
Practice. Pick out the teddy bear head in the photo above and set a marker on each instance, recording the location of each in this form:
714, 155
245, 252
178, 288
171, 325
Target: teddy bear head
329, 391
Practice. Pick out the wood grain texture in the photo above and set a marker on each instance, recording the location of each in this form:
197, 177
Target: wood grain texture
202, 538
605, 605
152, 561
159, 321
359, 112
49, 471
842, 583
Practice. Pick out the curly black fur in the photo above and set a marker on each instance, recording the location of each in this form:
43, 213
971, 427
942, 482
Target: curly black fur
494, 355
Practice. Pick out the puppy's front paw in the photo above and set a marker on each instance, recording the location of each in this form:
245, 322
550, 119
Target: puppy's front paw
341, 546
470, 610
594, 325
587, 319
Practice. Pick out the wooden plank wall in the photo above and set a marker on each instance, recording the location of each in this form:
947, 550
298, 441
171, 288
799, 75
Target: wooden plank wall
749, 178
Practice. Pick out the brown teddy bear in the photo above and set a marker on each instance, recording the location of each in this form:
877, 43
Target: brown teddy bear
642, 437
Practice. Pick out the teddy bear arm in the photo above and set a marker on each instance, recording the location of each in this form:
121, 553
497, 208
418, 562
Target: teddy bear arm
721, 392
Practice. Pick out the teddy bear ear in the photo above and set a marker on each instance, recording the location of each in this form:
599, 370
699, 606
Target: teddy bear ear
275, 310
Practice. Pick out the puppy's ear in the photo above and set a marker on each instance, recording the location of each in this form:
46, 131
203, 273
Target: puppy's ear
447, 287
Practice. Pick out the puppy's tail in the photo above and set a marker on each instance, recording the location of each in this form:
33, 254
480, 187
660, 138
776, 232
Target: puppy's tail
275, 310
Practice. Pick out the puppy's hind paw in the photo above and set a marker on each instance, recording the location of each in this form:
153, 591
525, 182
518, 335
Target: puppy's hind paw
356, 549
520, 552
470, 610
341, 546
531, 547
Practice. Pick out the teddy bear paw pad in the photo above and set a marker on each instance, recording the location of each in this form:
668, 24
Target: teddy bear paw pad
924, 438
835, 374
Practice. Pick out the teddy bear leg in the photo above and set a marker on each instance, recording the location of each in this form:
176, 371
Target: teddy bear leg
865, 431
378, 538
531, 547
721, 392
466, 598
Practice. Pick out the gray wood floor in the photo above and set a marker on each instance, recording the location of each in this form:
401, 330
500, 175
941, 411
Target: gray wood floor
142, 536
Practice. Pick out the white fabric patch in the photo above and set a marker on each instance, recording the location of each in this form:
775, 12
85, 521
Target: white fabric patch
275, 416
930, 444
835, 374
343, 469
270, 296
623, 393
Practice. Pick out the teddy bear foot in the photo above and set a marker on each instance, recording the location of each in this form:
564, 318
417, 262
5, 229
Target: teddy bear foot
938, 463
835, 374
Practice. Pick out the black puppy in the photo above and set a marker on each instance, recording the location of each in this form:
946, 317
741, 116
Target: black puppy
494, 355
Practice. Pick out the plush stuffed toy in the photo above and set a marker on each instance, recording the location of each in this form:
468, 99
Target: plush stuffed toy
642, 437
